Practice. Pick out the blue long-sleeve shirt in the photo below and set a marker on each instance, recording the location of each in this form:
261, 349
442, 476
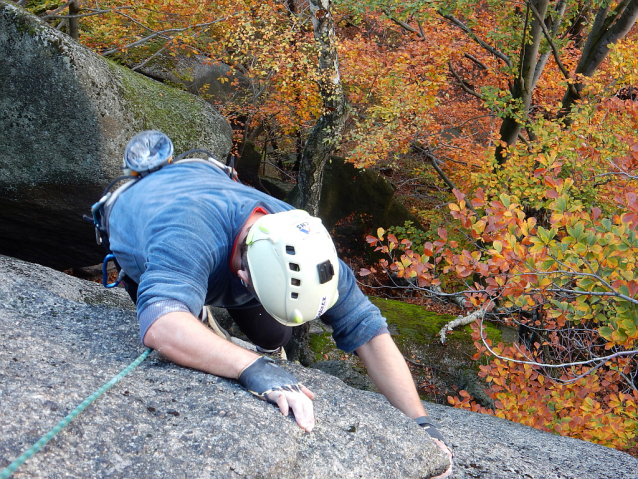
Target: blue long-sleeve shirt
173, 233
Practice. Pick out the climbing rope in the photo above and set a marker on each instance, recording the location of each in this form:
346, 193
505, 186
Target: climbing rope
72, 415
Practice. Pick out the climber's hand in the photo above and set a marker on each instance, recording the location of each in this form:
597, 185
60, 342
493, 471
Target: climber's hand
429, 427
300, 401
447, 451
268, 381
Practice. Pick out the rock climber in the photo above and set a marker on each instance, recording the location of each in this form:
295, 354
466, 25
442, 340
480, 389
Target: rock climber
188, 236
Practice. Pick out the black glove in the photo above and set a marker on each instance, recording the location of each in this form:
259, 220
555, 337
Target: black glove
430, 428
262, 377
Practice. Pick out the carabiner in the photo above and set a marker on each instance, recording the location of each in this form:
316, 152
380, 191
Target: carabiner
105, 274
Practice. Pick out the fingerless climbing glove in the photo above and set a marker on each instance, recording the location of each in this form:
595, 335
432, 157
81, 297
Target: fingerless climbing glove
430, 428
262, 377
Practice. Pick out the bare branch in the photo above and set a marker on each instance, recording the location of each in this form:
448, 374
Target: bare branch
497, 53
157, 53
557, 19
92, 12
460, 321
434, 161
405, 26
523, 139
162, 34
600, 360
464, 85
549, 39
421, 29
53, 12
478, 62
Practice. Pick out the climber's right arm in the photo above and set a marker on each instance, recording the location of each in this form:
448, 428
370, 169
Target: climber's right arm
184, 340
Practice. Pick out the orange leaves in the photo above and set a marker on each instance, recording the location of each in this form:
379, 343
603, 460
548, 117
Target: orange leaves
582, 409
591, 407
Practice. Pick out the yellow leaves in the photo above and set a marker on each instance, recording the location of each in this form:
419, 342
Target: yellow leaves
538, 245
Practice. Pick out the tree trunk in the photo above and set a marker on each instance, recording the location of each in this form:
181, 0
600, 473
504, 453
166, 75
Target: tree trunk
74, 23
608, 28
327, 131
523, 85
323, 139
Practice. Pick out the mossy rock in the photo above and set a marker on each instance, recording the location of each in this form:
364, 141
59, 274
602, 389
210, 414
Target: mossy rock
66, 115
414, 322
439, 370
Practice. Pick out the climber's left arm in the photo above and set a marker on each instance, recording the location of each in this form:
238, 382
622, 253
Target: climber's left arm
389, 372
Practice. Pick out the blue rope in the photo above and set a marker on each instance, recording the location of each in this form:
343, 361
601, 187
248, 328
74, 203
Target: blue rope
72, 415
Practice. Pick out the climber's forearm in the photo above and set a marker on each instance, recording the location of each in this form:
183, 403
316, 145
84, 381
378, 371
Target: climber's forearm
183, 339
390, 373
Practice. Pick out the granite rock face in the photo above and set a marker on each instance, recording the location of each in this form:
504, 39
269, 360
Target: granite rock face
62, 338
66, 115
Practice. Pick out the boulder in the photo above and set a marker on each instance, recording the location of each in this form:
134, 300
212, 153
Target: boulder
356, 202
64, 337
215, 81
66, 115
347, 190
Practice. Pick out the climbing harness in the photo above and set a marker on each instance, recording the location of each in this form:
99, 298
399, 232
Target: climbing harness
72, 415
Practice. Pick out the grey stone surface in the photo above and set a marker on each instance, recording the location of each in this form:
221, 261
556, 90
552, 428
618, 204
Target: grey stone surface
63, 338
199, 76
66, 115
347, 373
489, 447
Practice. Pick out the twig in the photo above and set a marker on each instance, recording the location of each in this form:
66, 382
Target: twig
434, 161
600, 360
548, 37
405, 26
463, 84
92, 12
161, 33
460, 321
149, 58
478, 62
53, 12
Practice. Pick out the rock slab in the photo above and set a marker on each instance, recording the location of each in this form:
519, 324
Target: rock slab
62, 338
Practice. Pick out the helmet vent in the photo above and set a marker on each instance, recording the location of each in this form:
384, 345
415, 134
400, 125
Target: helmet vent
294, 295
290, 250
293, 266
295, 282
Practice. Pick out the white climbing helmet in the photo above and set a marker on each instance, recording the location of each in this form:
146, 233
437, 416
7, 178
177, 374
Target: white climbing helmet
293, 266
146, 152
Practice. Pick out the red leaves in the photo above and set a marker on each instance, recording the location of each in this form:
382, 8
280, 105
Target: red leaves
366, 272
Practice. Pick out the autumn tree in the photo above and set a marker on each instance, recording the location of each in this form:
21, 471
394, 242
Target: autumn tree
544, 242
